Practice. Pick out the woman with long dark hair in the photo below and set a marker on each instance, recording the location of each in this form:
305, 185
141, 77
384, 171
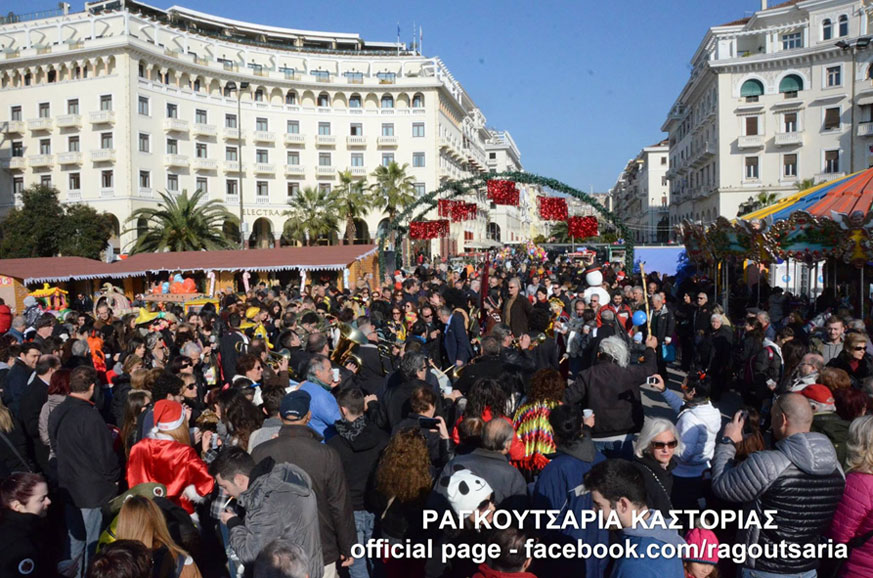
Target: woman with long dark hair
24, 503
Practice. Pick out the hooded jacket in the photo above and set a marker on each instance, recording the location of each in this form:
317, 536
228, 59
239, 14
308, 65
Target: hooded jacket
698, 425
279, 503
854, 518
801, 479
643, 566
359, 445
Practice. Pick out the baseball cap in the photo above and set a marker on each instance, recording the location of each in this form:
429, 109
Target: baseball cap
295, 405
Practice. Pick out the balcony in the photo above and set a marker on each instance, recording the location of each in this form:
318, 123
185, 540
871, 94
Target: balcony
14, 126
146, 192
174, 160
295, 170
387, 141
264, 136
825, 177
231, 166
264, 168
36, 161
39, 124
358, 171
103, 155
232, 133
323, 140
865, 129
326, 171
790, 138
356, 141
14, 163
102, 117
107, 192
231, 199
175, 125
204, 129
262, 200
74, 196
201, 164
70, 158
294, 138
69, 121
750, 142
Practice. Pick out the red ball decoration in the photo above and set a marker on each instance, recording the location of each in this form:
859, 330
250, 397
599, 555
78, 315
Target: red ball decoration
428, 229
552, 208
503, 192
582, 227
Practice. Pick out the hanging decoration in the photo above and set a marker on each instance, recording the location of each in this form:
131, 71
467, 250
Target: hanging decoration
582, 227
456, 211
445, 207
503, 192
428, 229
552, 208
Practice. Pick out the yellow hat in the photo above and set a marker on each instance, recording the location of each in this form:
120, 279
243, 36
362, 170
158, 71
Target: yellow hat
246, 325
252, 311
145, 316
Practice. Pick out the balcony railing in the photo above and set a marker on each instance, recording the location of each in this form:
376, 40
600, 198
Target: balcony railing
262, 199
264, 168
750, 142
387, 141
295, 170
69, 120
145, 192
75, 195
103, 155
14, 126
789, 138
107, 192
174, 160
231, 166
39, 124
356, 141
325, 140
326, 170
175, 125
204, 129
865, 129
41, 160
232, 133
264, 136
70, 158
358, 171
102, 117
13, 163
294, 138
201, 164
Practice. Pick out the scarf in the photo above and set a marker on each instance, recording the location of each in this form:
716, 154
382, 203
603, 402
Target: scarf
349, 430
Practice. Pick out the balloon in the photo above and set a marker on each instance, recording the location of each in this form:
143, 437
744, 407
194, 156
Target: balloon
639, 318
176, 288
156, 290
189, 285
165, 287
177, 278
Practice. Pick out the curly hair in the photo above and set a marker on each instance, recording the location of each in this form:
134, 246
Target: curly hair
486, 393
404, 469
547, 385
243, 418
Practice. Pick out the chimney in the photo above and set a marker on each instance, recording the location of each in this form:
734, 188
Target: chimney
763, 4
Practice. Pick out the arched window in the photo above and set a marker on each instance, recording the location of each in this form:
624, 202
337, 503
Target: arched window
827, 29
870, 72
418, 100
791, 85
323, 99
387, 101
290, 97
844, 25
355, 101
751, 90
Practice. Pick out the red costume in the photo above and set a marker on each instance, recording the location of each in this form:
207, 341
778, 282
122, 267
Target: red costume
175, 465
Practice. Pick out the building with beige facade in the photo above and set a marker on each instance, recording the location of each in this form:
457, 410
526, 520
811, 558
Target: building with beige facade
774, 99
641, 195
121, 101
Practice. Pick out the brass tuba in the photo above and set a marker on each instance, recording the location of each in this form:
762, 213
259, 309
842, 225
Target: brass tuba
349, 337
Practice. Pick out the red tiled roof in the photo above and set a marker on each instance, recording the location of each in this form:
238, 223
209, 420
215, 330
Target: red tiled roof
55, 269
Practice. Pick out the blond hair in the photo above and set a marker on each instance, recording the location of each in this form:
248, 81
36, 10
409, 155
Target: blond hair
7, 424
140, 519
859, 447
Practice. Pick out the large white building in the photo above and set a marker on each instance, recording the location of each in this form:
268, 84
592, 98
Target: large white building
116, 103
641, 195
776, 98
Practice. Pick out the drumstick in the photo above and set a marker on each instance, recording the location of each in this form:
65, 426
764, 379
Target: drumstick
645, 298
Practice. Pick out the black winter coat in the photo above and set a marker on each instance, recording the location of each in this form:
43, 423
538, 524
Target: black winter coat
301, 446
88, 467
32, 401
11, 461
659, 483
613, 393
21, 554
865, 367
359, 453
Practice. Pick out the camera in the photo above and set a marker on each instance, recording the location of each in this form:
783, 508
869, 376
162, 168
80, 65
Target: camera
651, 380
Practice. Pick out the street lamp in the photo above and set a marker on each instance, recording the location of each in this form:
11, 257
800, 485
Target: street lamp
860, 43
231, 85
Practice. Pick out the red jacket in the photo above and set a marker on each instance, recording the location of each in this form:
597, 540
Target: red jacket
5, 318
176, 466
485, 571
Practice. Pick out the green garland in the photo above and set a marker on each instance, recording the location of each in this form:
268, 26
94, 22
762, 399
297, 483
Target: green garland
473, 184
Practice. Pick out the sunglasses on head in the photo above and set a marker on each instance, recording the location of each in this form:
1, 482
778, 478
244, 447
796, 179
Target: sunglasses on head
662, 445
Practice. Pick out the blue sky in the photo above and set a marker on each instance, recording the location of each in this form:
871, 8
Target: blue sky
582, 86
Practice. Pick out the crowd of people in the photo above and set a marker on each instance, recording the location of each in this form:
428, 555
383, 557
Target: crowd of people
276, 434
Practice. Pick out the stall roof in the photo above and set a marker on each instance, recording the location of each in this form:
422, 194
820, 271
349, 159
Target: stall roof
55, 269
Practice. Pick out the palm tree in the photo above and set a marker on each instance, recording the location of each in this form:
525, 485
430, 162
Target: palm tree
560, 232
181, 223
313, 213
393, 189
805, 184
355, 204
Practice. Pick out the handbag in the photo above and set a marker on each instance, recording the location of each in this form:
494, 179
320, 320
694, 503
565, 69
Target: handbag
831, 568
668, 352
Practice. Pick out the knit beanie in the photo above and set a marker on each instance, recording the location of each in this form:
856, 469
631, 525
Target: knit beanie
704, 546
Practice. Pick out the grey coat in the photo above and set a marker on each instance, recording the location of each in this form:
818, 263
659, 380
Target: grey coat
279, 504
510, 489
801, 479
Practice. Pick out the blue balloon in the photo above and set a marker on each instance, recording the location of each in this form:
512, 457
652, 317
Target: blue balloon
177, 278
639, 318
165, 287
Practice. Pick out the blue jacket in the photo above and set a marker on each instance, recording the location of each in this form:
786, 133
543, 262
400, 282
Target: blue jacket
456, 341
324, 408
641, 566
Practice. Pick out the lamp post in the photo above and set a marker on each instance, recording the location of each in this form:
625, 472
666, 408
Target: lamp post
861, 42
242, 86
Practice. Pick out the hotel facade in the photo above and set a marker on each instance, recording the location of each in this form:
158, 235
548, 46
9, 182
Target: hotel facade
122, 101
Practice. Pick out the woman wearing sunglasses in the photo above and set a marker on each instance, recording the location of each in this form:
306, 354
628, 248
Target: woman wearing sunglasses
655, 457
698, 425
854, 359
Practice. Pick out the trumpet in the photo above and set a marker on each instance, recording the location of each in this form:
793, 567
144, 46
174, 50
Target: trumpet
349, 357
241, 347
276, 358
533, 342
452, 373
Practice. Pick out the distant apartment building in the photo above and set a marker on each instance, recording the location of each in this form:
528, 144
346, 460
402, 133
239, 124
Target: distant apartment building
641, 195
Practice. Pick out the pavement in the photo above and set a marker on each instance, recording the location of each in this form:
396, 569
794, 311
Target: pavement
655, 406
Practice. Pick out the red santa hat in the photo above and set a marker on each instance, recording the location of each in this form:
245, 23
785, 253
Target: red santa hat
168, 415
819, 396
